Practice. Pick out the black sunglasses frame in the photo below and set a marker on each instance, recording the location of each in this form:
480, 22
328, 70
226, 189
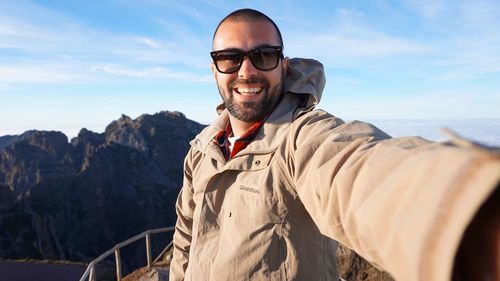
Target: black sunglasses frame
248, 54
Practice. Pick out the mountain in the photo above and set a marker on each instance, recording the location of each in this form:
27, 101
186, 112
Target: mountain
74, 200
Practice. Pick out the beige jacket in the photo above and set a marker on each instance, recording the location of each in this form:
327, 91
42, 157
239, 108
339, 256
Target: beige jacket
271, 212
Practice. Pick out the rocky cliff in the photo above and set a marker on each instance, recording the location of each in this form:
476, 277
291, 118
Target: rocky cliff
74, 200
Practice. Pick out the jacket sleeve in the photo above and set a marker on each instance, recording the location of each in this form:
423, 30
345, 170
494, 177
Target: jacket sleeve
401, 203
183, 227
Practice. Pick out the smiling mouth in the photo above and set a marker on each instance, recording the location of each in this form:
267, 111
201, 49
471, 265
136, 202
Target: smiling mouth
248, 92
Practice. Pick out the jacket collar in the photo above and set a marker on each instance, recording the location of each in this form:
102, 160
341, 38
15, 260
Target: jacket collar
270, 134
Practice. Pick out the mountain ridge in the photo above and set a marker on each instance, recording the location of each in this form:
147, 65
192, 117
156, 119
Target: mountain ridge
74, 199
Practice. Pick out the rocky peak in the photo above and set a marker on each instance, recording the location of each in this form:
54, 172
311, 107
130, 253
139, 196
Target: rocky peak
36, 156
88, 137
141, 133
124, 131
164, 119
50, 141
84, 146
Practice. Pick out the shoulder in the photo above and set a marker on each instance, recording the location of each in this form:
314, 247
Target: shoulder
319, 125
316, 119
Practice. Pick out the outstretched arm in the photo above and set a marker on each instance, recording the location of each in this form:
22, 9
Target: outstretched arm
403, 204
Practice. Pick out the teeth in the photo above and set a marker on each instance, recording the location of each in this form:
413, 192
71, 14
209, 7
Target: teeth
249, 91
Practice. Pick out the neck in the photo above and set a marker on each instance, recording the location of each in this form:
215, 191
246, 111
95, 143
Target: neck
239, 127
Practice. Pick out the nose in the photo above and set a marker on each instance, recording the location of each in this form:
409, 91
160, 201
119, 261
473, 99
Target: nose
247, 69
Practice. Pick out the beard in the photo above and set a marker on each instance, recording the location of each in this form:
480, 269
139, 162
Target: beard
252, 111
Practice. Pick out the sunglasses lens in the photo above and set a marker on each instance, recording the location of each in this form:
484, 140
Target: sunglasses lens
228, 62
265, 58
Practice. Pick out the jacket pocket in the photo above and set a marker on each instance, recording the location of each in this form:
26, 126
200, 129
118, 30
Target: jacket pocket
248, 206
250, 246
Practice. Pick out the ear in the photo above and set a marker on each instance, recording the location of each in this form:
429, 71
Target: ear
284, 65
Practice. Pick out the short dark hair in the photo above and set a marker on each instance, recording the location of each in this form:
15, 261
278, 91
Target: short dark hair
249, 15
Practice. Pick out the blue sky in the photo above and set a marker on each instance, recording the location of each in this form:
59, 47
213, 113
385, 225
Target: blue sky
65, 65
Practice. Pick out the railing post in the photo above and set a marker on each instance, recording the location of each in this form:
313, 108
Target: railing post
148, 249
118, 265
92, 274
91, 271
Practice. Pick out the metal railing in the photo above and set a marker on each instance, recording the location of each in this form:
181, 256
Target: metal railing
90, 272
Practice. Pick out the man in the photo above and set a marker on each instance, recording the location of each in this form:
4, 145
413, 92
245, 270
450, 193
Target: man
271, 185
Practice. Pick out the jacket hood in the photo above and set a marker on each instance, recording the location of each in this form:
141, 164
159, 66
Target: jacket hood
305, 77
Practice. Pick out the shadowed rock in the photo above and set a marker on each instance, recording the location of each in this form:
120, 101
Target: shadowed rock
62, 200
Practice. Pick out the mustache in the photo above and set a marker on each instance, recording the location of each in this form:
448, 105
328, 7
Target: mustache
251, 80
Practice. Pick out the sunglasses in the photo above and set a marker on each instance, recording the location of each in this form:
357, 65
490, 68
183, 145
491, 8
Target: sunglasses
263, 58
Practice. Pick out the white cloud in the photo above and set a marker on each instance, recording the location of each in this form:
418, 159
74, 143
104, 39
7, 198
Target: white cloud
428, 8
50, 47
151, 73
13, 28
367, 44
480, 15
449, 42
38, 74
353, 43
152, 43
438, 104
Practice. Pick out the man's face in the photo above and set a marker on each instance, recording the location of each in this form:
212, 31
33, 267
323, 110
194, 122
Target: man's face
249, 94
